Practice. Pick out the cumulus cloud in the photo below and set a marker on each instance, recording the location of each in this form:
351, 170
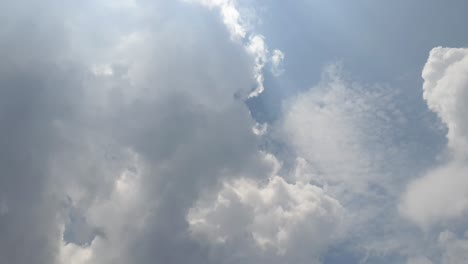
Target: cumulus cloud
445, 92
441, 194
277, 217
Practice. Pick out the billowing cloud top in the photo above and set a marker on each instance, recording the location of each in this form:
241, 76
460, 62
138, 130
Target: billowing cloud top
132, 132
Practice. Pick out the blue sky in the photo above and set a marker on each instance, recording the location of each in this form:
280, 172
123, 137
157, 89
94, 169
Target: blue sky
233, 131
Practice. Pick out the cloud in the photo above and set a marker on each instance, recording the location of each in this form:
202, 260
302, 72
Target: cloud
441, 194
232, 18
31, 100
449, 248
275, 218
125, 139
110, 134
240, 26
356, 141
438, 196
346, 132
276, 62
445, 91
419, 260
455, 250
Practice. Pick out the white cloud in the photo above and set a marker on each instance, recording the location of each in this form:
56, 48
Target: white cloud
442, 194
257, 48
231, 17
102, 70
74, 254
445, 91
275, 216
240, 29
260, 129
344, 131
277, 62
439, 196
119, 214
347, 137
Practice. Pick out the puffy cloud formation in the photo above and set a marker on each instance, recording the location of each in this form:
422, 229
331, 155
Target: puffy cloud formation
442, 194
275, 218
445, 82
439, 199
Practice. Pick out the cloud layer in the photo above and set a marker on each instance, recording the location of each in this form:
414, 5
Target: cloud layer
126, 138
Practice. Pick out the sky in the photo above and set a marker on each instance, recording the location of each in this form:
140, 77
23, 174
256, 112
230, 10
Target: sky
233, 131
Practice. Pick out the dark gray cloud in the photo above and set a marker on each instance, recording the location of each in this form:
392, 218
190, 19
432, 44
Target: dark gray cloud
80, 105
34, 92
